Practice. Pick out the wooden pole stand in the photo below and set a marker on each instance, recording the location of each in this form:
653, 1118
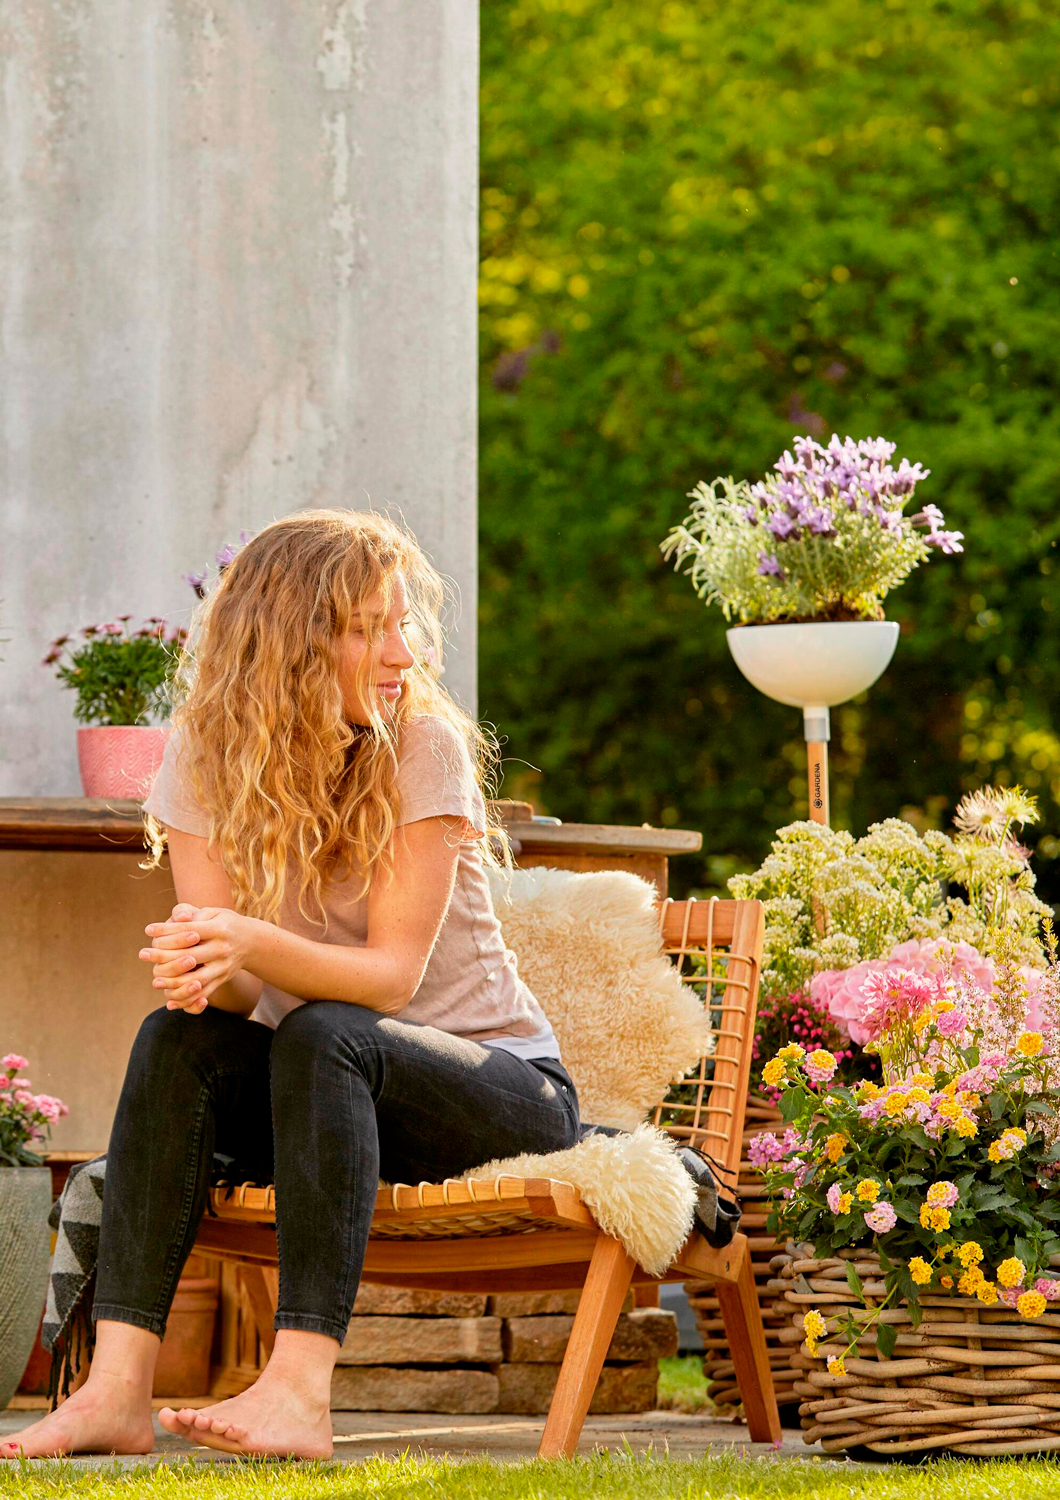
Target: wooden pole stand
818, 733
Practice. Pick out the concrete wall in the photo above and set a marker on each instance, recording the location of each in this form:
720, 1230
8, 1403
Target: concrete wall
237, 278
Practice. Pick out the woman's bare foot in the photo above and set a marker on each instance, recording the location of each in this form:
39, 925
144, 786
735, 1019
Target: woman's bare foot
275, 1416
102, 1417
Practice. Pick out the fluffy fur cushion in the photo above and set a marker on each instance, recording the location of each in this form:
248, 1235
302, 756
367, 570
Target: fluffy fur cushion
587, 944
634, 1186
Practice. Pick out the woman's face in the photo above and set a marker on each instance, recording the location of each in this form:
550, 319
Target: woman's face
389, 658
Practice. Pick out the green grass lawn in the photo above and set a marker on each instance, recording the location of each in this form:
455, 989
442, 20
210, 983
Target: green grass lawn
682, 1385
624, 1478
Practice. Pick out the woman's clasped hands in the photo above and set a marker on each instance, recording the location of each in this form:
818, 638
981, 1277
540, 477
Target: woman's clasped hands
198, 949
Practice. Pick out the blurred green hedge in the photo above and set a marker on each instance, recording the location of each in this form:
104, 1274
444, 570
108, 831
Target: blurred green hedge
707, 228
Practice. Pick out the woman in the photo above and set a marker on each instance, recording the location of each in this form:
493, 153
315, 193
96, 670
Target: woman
315, 762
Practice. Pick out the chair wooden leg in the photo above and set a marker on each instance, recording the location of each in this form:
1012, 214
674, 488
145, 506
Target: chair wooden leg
746, 1336
255, 1287
610, 1272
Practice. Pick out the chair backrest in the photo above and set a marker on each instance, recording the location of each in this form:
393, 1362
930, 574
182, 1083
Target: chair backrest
716, 947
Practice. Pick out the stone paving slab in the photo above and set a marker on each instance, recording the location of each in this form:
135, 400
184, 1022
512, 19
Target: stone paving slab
360, 1435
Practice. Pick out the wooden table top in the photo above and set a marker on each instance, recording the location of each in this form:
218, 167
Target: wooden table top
116, 824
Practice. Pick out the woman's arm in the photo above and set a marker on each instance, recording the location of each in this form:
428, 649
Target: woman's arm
405, 916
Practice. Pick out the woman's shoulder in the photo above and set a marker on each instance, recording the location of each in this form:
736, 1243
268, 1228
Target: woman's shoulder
434, 733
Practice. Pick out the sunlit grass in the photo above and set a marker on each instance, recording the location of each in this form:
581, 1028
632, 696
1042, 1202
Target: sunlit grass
651, 1477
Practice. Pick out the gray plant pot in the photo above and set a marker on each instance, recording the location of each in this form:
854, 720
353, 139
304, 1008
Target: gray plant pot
25, 1253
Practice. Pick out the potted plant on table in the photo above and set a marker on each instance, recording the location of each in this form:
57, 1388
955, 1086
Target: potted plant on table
121, 679
25, 1201
802, 562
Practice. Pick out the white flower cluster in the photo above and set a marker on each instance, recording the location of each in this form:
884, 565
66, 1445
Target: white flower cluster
832, 900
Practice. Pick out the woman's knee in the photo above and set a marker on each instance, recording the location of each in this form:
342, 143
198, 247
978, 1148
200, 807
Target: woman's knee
167, 1038
321, 1029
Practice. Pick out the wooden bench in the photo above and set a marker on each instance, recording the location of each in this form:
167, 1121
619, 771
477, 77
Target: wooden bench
527, 1234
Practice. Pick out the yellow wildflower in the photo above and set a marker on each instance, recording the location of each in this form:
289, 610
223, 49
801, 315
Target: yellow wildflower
951, 1088
846, 1201
834, 1146
813, 1324
942, 1006
946, 1281
969, 1100
934, 1218
970, 1253
920, 1270
773, 1072
1030, 1044
1011, 1272
992, 1152
925, 1080
970, 1282
868, 1090
922, 1022
896, 1103
949, 1109
868, 1190
1031, 1305
837, 1363
919, 1096
966, 1128
793, 1052
987, 1293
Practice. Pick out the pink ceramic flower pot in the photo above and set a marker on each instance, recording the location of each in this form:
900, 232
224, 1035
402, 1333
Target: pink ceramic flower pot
120, 760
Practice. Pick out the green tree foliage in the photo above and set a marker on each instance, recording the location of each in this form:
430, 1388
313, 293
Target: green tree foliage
708, 227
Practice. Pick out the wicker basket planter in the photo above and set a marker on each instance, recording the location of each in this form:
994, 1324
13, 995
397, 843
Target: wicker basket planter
717, 1361
971, 1379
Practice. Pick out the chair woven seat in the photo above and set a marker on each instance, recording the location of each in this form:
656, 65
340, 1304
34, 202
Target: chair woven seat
435, 1210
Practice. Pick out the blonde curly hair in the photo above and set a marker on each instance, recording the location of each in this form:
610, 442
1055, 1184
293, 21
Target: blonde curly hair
285, 778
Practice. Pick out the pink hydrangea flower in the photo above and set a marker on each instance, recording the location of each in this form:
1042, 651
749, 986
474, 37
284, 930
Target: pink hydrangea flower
952, 1023
839, 991
12, 1060
881, 1218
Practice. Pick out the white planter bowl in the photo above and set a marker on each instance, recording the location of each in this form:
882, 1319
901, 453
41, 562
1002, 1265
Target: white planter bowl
813, 666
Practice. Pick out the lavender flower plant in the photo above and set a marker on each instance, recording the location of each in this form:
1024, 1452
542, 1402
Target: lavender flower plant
823, 537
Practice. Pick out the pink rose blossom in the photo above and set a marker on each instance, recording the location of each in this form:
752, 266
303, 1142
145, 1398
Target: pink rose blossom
12, 1060
881, 1218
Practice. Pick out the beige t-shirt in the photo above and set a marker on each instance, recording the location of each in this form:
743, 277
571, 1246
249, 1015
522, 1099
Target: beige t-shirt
471, 986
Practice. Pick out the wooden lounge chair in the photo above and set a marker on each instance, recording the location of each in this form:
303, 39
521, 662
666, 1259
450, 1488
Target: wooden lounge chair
522, 1234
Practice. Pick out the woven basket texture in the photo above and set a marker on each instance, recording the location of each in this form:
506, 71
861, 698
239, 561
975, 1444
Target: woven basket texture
970, 1379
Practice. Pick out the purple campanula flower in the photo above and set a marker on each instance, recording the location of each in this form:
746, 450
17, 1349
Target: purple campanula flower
750, 514
768, 564
948, 541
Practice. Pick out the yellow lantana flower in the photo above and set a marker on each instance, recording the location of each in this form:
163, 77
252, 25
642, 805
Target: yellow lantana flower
845, 1202
918, 1096
920, 1270
970, 1282
813, 1324
987, 1293
1030, 1044
834, 1146
1011, 1272
773, 1072
837, 1363
868, 1190
896, 1103
970, 1253
1031, 1305
925, 1080
934, 1218
793, 1052
966, 1128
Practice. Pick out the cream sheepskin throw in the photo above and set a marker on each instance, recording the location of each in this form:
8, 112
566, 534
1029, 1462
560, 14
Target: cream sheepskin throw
587, 944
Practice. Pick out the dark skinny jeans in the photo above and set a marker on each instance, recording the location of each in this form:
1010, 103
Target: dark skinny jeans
333, 1099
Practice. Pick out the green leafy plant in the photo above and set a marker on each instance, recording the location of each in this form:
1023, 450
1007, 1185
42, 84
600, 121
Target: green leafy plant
119, 677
